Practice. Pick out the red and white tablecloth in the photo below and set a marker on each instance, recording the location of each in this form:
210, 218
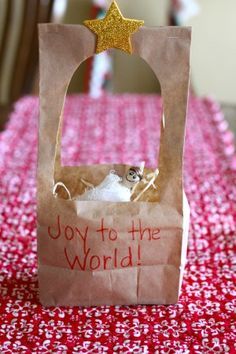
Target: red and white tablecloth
121, 128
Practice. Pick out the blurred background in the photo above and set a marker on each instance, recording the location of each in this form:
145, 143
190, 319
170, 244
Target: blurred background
213, 48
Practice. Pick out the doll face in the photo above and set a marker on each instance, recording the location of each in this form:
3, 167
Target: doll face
132, 176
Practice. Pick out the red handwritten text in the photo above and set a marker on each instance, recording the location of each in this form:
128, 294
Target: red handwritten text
82, 256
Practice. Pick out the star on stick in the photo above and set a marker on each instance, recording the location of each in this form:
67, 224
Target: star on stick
114, 30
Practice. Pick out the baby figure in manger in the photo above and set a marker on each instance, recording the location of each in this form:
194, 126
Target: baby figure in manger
115, 188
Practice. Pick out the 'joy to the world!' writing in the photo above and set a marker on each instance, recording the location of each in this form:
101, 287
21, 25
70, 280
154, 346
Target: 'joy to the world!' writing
121, 254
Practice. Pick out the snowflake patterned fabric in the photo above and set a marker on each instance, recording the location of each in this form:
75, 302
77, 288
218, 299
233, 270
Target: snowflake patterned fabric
121, 129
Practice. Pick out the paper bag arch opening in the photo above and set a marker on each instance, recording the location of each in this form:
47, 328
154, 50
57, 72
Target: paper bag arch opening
169, 60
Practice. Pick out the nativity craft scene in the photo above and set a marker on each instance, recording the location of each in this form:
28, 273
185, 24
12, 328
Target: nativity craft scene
112, 234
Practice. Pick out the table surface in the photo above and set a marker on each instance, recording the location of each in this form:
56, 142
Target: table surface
123, 128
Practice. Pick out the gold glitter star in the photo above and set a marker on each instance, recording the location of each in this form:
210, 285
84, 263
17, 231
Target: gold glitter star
114, 30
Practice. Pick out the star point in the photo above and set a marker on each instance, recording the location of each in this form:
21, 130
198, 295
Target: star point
114, 30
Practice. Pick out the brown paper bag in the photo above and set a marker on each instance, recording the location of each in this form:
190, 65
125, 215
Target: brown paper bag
93, 253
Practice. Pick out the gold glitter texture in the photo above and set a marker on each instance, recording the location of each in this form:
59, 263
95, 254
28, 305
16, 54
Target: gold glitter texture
114, 30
